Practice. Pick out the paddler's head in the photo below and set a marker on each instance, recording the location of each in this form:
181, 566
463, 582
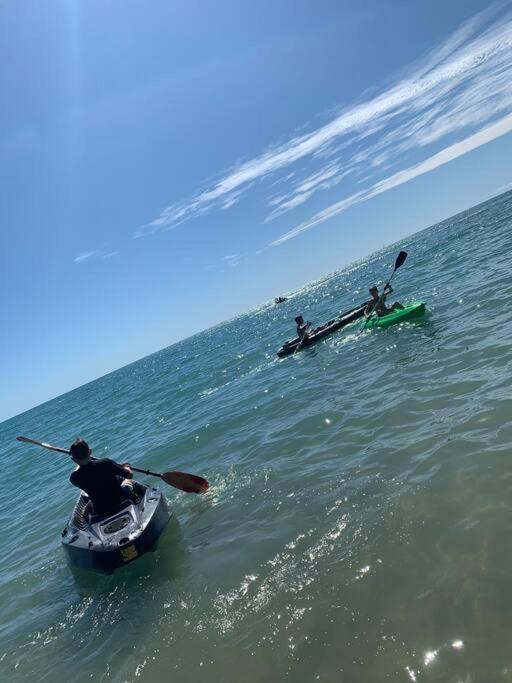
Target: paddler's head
80, 452
299, 320
374, 291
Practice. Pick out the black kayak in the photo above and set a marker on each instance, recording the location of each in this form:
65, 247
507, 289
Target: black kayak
320, 332
105, 544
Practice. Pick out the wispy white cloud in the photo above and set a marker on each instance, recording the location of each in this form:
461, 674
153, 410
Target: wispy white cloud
232, 259
84, 256
302, 189
461, 87
450, 153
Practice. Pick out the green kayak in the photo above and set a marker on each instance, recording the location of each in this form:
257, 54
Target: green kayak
413, 310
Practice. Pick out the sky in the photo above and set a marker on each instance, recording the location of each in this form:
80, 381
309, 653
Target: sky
166, 166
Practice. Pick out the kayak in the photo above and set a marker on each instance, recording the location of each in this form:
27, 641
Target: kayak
413, 310
318, 333
105, 544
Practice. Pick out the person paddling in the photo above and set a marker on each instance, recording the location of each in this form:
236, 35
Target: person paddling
377, 303
106, 482
302, 328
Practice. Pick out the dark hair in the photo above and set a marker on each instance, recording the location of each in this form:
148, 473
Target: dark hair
298, 319
79, 449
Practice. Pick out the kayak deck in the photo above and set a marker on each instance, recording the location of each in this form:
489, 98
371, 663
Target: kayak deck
413, 310
106, 544
290, 347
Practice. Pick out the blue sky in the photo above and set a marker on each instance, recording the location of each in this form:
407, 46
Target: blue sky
167, 165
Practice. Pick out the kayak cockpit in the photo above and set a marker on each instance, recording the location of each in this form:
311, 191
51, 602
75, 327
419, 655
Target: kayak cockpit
104, 543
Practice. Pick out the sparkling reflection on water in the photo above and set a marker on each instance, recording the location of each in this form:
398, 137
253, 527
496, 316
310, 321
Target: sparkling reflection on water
357, 528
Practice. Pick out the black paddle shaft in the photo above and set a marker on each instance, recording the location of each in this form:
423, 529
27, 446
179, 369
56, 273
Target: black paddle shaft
135, 469
400, 260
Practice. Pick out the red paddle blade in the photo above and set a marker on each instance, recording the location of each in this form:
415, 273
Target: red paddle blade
190, 483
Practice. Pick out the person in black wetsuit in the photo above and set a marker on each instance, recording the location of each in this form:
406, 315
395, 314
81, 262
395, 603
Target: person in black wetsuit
104, 481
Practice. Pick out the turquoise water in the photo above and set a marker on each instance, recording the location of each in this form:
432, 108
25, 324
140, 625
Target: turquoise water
358, 523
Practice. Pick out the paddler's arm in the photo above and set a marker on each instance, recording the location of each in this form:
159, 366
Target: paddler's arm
72, 478
388, 289
369, 308
303, 333
123, 470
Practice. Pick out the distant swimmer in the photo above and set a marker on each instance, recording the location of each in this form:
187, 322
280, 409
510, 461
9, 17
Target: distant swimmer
377, 303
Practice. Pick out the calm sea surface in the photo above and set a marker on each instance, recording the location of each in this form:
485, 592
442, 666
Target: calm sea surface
359, 524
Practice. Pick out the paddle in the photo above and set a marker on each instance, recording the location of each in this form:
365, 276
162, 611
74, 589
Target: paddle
400, 260
190, 483
353, 310
299, 345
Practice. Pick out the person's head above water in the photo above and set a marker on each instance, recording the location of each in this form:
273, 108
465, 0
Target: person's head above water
80, 451
299, 320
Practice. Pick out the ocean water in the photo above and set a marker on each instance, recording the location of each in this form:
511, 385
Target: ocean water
358, 526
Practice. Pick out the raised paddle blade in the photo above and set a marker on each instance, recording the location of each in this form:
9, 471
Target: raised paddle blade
190, 483
25, 439
400, 259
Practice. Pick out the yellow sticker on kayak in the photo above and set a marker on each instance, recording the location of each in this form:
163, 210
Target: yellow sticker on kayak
129, 553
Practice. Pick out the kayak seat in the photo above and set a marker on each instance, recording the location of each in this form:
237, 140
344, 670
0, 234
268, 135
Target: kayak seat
95, 518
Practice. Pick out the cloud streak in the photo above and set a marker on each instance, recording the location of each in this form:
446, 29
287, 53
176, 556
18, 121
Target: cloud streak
84, 256
496, 130
232, 259
459, 89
